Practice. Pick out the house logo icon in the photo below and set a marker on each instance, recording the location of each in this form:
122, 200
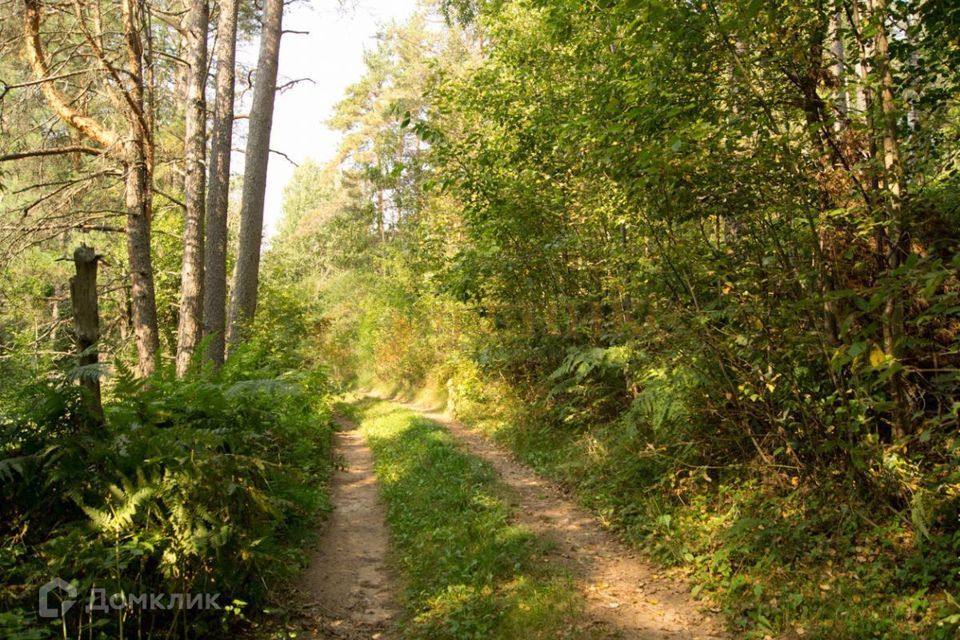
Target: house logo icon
57, 588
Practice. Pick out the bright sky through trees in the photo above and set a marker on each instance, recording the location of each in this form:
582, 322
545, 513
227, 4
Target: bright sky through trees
332, 56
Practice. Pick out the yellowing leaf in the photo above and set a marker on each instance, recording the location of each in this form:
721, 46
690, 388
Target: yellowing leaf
877, 356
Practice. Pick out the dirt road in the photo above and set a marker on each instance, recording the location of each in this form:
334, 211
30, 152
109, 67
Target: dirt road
348, 586
625, 595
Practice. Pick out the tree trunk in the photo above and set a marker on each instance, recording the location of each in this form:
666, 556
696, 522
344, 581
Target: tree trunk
138, 191
86, 320
839, 67
898, 238
191, 273
142, 296
134, 151
381, 214
218, 187
243, 301
59, 295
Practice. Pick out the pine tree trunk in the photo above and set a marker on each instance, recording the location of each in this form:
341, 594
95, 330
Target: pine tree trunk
191, 273
218, 187
134, 151
138, 196
243, 301
143, 297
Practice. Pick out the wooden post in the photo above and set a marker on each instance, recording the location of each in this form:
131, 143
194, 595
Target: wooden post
86, 319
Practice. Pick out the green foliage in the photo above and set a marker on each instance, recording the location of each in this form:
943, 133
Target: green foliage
686, 263
469, 572
200, 485
776, 558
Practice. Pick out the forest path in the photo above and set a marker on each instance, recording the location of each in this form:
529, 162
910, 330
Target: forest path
623, 593
348, 588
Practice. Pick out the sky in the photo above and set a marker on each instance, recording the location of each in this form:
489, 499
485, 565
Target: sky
332, 56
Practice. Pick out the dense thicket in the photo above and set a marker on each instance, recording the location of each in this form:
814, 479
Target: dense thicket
697, 259
208, 484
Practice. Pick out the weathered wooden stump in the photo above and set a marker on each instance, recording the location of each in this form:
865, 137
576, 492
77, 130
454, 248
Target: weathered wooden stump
86, 320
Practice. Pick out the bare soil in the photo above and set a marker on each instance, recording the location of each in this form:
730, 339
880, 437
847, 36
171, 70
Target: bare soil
348, 588
625, 595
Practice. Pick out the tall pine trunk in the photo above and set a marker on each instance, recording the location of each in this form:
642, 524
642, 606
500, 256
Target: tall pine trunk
243, 300
138, 231
191, 273
139, 196
218, 187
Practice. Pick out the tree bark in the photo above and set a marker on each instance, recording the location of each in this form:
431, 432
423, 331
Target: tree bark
191, 273
138, 196
86, 321
897, 236
138, 231
218, 187
839, 67
243, 301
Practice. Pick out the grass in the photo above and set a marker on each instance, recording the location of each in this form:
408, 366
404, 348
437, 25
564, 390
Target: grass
469, 573
795, 562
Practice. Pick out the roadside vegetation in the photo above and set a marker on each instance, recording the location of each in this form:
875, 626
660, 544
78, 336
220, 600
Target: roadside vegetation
208, 484
696, 261
169, 489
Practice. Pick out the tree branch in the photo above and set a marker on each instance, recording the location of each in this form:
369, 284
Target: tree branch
34, 53
51, 152
169, 197
293, 83
284, 156
6, 88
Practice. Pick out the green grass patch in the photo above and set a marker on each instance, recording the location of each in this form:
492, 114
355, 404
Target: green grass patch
469, 573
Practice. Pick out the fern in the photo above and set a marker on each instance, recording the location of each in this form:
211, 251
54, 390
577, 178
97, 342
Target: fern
121, 508
11, 467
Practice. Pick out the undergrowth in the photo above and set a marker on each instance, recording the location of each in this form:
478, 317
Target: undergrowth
835, 535
780, 556
208, 484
